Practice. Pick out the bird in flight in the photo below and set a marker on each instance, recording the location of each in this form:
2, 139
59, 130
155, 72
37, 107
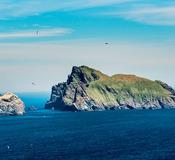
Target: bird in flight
33, 84
8, 147
106, 43
37, 32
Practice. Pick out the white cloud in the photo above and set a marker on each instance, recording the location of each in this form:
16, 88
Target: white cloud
11, 8
36, 33
157, 12
97, 3
148, 13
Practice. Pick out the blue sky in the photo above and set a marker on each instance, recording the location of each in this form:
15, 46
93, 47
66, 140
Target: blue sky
41, 40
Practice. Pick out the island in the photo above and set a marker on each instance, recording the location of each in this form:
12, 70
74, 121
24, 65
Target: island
10, 104
87, 89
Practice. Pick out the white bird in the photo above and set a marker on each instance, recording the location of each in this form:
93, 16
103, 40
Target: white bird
8, 147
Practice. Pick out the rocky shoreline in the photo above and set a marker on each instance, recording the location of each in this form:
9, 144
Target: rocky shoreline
10, 104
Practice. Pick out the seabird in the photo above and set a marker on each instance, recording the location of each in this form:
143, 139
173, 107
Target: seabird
33, 83
37, 32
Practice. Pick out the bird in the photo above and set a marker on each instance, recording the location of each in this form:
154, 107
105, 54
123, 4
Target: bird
106, 43
37, 32
8, 147
33, 84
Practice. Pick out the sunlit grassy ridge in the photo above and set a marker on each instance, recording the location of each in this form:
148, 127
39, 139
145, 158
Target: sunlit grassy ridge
89, 72
117, 88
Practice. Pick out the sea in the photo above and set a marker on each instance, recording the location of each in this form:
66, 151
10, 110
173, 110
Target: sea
109, 135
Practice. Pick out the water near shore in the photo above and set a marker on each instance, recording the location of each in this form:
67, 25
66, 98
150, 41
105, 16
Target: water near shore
121, 135
37, 99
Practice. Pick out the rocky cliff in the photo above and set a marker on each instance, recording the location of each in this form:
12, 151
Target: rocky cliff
10, 104
87, 89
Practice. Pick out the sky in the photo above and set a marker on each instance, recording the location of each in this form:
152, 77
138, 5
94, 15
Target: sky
40, 40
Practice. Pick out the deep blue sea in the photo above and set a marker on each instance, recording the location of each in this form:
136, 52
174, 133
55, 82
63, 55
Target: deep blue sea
110, 135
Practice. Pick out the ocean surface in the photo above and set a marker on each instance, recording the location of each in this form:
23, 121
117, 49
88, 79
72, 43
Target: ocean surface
110, 135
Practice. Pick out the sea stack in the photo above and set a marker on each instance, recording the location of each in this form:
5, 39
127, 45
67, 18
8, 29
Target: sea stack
87, 89
10, 104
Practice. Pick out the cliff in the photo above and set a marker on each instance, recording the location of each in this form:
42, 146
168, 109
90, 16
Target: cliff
87, 89
10, 104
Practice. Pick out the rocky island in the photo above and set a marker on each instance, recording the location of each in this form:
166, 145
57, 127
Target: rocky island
87, 89
10, 104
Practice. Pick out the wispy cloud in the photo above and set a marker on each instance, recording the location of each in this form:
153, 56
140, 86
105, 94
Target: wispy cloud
157, 12
149, 13
15, 8
36, 33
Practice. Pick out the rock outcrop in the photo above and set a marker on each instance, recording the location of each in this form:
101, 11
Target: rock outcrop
10, 104
87, 89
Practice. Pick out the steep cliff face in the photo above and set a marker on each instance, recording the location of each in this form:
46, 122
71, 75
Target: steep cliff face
87, 89
10, 104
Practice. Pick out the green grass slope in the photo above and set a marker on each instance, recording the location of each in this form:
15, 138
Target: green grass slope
107, 90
